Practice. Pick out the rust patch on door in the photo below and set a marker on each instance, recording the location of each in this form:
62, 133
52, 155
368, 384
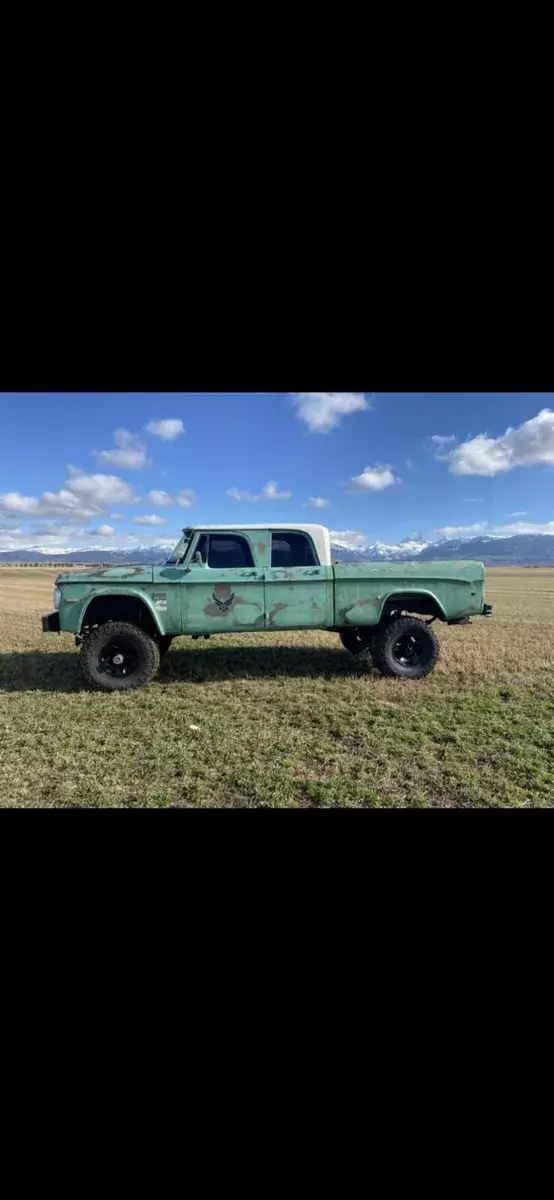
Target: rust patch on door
343, 612
260, 547
276, 608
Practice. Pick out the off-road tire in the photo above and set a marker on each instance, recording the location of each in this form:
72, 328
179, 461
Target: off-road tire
163, 644
412, 636
144, 650
359, 645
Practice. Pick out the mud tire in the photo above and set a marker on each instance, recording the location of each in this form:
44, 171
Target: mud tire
407, 648
125, 639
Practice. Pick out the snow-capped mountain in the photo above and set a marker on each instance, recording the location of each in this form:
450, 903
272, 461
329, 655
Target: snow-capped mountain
139, 555
522, 549
378, 552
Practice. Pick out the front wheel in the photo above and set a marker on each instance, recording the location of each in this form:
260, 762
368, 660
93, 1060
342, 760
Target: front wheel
119, 655
406, 648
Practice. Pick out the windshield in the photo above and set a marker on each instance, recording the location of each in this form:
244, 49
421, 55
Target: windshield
181, 548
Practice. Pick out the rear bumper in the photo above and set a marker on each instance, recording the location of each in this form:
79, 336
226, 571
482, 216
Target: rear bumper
51, 623
487, 610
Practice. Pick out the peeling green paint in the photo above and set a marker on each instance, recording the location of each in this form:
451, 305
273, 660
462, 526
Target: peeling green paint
363, 589
198, 600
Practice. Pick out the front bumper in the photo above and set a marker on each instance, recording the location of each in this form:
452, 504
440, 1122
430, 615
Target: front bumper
487, 610
51, 623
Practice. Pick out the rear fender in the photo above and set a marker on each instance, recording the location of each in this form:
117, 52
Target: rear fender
415, 601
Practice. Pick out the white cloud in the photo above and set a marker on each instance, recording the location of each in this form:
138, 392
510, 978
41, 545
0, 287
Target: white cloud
116, 517
441, 439
130, 454
52, 535
82, 496
527, 527
530, 444
238, 494
167, 430
100, 491
518, 514
269, 492
57, 530
160, 498
104, 531
372, 479
186, 498
349, 538
55, 537
461, 530
316, 502
150, 519
323, 411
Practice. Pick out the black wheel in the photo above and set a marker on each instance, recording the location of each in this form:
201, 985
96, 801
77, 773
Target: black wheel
119, 655
360, 645
163, 644
407, 648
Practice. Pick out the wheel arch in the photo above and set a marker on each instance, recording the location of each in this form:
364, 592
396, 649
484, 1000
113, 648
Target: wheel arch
421, 601
121, 605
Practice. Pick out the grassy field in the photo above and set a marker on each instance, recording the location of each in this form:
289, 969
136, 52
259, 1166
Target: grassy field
284, 720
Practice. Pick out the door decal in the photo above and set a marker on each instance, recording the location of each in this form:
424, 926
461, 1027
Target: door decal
224, 601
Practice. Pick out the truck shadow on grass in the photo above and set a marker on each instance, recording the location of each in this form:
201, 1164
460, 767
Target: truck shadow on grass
250, 662
43, 672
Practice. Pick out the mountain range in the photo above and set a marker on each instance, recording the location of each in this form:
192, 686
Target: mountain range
521, 549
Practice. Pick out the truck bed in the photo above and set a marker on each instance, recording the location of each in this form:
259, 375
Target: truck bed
361, 590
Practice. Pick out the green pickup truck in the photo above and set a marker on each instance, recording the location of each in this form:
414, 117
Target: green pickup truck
224, 579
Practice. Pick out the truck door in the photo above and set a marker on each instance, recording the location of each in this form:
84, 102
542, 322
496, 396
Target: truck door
298, 590
225, 590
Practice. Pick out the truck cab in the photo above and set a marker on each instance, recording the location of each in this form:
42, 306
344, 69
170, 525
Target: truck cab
254, 577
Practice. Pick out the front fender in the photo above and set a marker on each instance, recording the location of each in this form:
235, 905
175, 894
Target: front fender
76, 625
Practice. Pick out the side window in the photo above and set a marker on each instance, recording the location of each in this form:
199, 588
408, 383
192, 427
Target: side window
202, 547
292, 550
227, 550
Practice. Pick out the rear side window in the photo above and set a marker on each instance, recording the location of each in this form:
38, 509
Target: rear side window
292, 550
225, 550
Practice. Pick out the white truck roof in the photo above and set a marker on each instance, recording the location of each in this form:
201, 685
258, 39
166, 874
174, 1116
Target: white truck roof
318, 533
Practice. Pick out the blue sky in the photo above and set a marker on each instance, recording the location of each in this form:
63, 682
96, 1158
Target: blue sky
123, 469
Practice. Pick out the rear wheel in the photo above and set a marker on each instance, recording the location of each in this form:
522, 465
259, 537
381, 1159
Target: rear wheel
360, 645
406, 648
117, 656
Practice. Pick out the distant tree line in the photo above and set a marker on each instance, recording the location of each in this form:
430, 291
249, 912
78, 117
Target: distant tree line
48, 563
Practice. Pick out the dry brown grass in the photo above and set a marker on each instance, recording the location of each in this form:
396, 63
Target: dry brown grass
284, 719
